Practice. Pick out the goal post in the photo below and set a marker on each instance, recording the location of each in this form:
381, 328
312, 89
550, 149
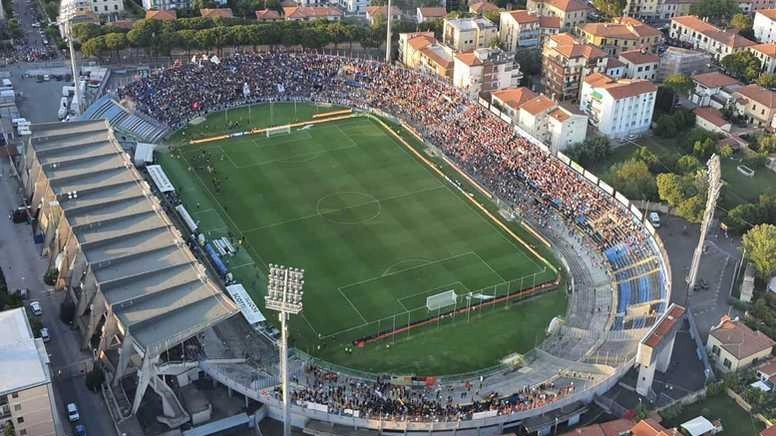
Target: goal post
278, 130
441, 300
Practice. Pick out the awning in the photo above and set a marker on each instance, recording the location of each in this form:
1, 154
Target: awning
698, 426
248, 308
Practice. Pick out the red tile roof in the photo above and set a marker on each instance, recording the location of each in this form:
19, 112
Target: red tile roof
267, 14
216, 13
568, 5
768, 49
468, 58
694, 23
311, 12
759, 94
482, 7
737, 338
620, 89
433, 12
569, 47
666, 324
549, 22
715, 80
770, 431
380, 10
514, 97
638, 57
163, 15
630, 29
537, 105
770, 13
768, 367
522, 16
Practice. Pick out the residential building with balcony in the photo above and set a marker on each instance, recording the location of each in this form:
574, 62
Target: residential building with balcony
163, 5
509, 100
572, 13
26, 395
518, 29
750, 6
565, 61
356, 7
639, 64
485, 70
626, 34
421, 51
703, 36
618, 108
465, 34
374, 13
714, 89
766, 53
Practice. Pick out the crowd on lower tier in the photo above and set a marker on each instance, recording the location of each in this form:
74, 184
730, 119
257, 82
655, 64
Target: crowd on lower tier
513, 167
386, 400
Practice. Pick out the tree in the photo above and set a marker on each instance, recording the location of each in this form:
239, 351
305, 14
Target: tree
767, 80
666, 126
743, 65
716, 10
591, 150
647, 156
740, 22
93, 47
611, 8
766, 144
116, 42
680, 83
685, 193
664, 101
9, 429
687, 164
726, 151
633, 179
704, 149
759, 244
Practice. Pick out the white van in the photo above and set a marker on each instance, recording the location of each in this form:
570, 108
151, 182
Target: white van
44, 334
654, 218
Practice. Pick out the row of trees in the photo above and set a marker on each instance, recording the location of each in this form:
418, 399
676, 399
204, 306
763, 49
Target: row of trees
197, 33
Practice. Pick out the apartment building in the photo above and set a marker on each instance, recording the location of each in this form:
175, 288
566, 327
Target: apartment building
639, 64
356, 7
572, 13
565, 61
764, 25
706, 37
766, 53
667, 9
625, 34
163, 5
509, 100
482, 7
714, 89
421, 51
431, 13
618, 108
732, 345
26, 396
749, 6
466, 34
614, 68
485, 70
82, 11
518, 29
756, 104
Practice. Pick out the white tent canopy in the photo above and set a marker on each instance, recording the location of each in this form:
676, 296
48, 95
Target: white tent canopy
250, 312
698, 426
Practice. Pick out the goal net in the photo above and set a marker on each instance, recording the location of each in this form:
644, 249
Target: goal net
279, 130
441, 300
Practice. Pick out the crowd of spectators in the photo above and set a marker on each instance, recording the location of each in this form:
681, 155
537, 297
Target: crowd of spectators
514, 168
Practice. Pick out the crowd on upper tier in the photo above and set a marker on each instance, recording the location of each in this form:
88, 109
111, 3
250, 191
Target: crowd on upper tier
481, 143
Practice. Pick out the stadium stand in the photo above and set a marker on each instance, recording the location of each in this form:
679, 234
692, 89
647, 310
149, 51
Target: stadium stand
135, 123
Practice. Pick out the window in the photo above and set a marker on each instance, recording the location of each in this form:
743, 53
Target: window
715, 350
727, 363
15, 395
17, 407
20, 420
22, 432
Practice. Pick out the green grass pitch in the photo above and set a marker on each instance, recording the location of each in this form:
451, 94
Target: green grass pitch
376, 232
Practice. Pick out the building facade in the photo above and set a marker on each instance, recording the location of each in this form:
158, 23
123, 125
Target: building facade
572, 13
714, 89
421, 51
618, 108
485, 70
705, 37
732, 345
639, 64
518, 29
565, 61
757, 105
465, 34
627, 34
676, 60
766, 53
26, 396
764, 25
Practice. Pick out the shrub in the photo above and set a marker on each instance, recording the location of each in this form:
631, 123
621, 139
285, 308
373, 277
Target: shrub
50, 277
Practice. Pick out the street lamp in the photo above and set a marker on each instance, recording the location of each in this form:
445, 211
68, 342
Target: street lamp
284, 295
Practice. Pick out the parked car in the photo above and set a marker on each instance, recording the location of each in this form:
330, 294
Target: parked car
72, 412
654, 218
44, 334
80, 430
36, 308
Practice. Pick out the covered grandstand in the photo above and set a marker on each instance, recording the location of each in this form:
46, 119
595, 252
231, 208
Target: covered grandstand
137, 288
139, 125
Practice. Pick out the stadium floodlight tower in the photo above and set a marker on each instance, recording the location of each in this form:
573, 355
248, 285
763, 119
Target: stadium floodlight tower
68, 26
714, 179
284, 295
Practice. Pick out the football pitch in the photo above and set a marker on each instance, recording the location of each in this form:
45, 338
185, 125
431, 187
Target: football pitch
377, 232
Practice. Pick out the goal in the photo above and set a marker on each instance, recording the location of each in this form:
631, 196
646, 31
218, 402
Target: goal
441, 300
279, 130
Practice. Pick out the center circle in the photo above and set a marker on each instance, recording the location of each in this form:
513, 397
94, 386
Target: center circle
349, 207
